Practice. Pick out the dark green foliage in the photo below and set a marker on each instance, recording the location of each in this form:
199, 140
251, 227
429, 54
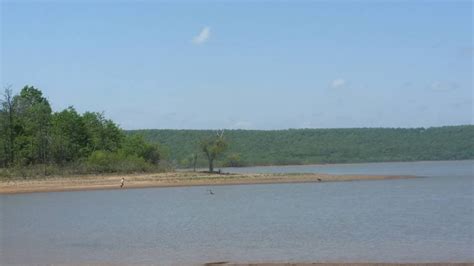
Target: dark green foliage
32, 126
233, 160
307, 146
36, 141
103, 133
135, 145
7, 129
33, 139
190, 161
108, 162
3, 155
70, 138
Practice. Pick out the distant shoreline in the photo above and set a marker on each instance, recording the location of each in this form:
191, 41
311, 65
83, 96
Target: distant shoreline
322, 146
172, 179
319, 164
344, 264
335, 164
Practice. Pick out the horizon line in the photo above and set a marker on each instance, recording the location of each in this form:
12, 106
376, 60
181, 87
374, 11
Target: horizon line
283, 129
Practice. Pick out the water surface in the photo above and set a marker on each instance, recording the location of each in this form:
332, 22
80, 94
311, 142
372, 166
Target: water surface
409, 220
425, 168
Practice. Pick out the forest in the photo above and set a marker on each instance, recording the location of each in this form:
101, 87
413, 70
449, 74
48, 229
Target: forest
37, 141
314, 146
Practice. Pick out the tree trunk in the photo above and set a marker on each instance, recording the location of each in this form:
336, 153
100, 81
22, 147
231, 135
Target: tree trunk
11, 129
195, 157
211, 165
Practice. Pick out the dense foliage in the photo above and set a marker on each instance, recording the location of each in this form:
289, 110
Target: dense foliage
35, 140
31, 134
307, 146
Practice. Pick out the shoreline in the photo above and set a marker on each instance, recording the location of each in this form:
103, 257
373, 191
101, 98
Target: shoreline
344, 264
338, 164
172, 179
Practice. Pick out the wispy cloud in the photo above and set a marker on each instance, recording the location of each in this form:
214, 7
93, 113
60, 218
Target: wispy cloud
203, 36
337, 83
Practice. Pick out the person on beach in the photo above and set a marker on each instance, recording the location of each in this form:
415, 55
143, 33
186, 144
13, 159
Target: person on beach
122, 182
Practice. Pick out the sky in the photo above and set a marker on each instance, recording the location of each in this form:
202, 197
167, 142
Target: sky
246, 64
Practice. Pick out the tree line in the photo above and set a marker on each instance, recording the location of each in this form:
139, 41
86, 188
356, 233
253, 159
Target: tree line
35, 140
31, 134
313, 146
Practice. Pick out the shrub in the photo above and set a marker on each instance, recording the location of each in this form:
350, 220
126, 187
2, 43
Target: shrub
104, 161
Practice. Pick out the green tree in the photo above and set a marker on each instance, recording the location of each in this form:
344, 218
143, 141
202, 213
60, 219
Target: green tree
190, 161
3, 156
7, 128
233, 160
309, 146
103, 133
212, 147
152, 153
194, 158
30, 133
136, 145
69, 136
34, 124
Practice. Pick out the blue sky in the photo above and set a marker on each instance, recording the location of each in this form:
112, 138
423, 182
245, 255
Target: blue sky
252, 65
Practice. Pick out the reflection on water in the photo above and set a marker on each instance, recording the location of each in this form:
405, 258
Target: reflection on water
425, 219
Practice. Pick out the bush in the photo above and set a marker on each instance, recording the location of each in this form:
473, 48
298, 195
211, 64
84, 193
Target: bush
104, 161
233, 160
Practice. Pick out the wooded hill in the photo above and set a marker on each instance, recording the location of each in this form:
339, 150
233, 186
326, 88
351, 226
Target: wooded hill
310, 146
37, 141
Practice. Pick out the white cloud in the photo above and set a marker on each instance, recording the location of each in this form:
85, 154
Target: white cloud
203, 36
337, 83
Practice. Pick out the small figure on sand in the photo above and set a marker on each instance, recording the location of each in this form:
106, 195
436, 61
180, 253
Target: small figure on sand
122, 182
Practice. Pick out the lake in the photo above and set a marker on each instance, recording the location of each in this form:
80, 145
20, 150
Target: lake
428, 219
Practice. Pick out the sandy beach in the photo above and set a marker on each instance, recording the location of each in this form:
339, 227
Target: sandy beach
173, 179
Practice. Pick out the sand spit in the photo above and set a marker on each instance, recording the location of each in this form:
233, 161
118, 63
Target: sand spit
172, 179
